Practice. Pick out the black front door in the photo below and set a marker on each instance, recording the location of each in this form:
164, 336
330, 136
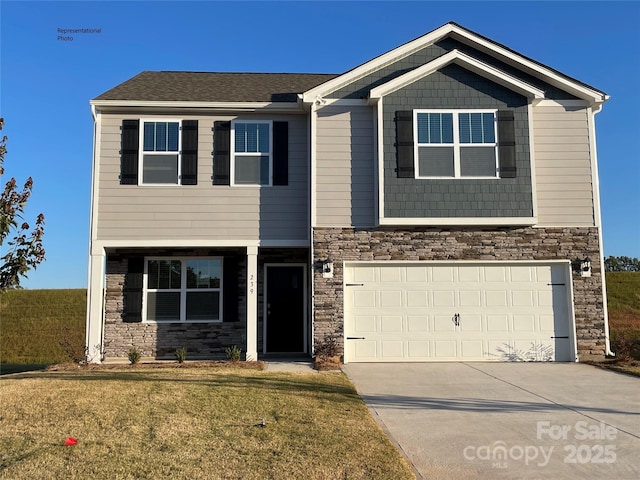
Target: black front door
285, 308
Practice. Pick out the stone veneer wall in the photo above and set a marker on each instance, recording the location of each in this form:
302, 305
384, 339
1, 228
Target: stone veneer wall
160, 340
426, 243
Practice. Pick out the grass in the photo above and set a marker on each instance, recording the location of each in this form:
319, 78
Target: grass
623, 299
41, 326
190, 423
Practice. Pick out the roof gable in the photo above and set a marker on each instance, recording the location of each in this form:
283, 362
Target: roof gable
482, 44
465, 61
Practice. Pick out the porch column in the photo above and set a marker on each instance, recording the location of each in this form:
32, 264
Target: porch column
252, 303
95, 308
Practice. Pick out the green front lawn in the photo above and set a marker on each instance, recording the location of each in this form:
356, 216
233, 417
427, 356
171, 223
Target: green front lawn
190, 423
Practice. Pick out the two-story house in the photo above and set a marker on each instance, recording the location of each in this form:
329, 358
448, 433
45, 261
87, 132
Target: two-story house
438, 202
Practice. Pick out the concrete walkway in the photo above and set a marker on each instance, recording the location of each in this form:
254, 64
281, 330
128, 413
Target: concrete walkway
285, 365
507, 420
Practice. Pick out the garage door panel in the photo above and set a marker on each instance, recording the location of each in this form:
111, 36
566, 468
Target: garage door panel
390, 275
391, 323
417, 274
392, 349
446, 349
418, 298
365, 324
364, 349
443, 323
442, 274
417, 324
390, 298
472, 349
418, 349
470, 298
495, 274
469, 274
522, 274
522, 298
426, 311
498, 323
470, 323
364, 299
524, 323
445, 298
497, 298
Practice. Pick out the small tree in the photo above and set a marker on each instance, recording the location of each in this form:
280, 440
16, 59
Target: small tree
25, 245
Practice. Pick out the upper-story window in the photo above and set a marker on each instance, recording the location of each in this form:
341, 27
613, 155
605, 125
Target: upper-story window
161, 152
455, 144
251, 162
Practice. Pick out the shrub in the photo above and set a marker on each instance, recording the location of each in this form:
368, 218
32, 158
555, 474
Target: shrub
233, 353
328, 347
134, 355
181, 354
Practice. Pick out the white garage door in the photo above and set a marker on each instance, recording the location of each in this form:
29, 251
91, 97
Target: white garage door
398, 312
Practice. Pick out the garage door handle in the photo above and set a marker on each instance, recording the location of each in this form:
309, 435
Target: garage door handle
355, 338
355, 285
567, 336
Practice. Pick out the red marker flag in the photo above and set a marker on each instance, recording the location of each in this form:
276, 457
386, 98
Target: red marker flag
70, 441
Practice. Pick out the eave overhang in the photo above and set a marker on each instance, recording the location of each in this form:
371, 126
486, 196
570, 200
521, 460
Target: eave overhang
151, 105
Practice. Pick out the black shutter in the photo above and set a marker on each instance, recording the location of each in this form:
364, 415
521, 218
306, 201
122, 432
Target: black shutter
221, 153
230, 289
129, 145
133, 290
404, 144
506, 144
189, 167
280, 153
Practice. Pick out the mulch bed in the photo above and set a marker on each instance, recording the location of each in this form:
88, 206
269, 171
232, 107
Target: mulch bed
65, 367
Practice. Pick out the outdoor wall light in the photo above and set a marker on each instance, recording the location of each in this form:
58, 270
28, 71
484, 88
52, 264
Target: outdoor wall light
327, 268
582, 266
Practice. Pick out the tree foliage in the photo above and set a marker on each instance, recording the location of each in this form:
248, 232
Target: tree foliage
25, 251
621, 264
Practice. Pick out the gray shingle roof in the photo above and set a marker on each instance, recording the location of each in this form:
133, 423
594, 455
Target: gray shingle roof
215, 87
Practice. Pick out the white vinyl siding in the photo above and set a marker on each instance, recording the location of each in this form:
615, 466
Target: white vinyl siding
345, 166
562, 166
203, 211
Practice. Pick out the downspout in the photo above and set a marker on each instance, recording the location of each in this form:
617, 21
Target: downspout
597, 211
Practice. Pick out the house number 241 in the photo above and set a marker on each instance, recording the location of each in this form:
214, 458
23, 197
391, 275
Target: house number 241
251, 284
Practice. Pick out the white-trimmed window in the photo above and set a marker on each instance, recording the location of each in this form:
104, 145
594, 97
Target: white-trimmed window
455, 144
160, 159
251, 154
183, 289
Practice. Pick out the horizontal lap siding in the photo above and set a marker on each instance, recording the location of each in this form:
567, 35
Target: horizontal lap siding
345, 166
203, 210
563, 167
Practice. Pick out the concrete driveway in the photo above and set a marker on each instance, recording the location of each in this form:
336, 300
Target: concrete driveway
507, 420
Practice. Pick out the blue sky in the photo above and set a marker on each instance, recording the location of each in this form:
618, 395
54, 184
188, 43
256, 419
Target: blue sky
46, 83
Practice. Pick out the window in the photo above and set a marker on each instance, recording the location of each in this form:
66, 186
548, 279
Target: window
183, 289
456, 144
251, 162
161, 151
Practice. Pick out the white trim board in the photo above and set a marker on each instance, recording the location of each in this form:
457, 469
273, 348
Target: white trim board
461, 221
